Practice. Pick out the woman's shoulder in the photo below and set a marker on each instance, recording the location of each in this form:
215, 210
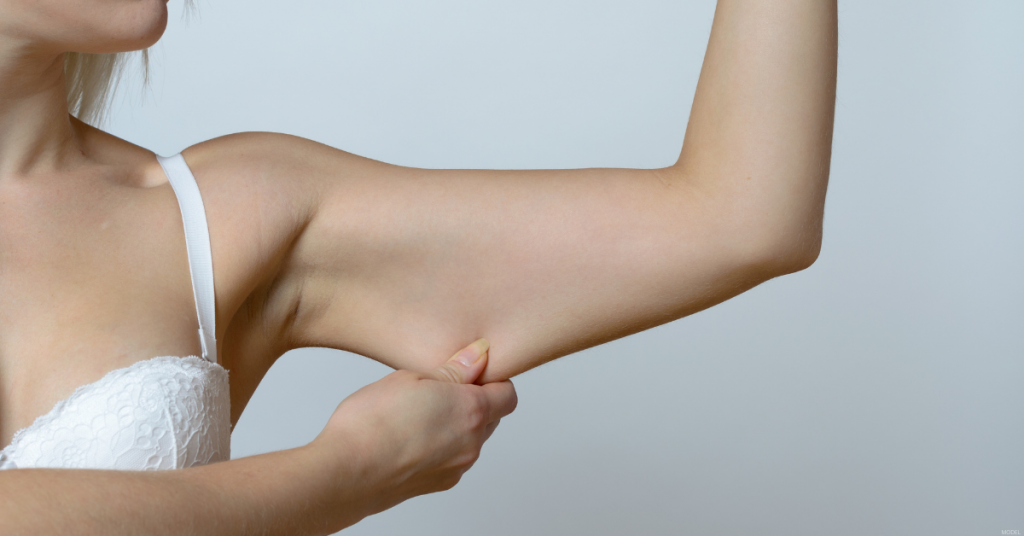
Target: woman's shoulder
264, 156
252, 181
257, 205
299, 172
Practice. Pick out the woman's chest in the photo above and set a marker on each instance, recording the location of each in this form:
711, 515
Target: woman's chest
80, 296
96, 279
166, 412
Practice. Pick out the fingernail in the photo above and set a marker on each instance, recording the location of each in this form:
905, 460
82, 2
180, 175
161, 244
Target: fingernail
472, 353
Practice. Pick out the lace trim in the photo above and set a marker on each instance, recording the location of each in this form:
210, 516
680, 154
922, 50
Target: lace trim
58, 408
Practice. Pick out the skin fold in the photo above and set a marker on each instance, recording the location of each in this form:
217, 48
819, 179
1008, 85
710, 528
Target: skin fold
314, 246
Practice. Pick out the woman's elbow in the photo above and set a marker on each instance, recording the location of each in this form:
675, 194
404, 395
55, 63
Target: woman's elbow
781, 249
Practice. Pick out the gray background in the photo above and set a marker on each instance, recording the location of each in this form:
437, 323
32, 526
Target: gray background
879, 392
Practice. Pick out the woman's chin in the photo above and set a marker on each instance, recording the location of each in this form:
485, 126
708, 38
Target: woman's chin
149, 34
141, 30
137, 37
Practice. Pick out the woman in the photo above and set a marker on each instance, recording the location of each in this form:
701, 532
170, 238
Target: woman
311, 246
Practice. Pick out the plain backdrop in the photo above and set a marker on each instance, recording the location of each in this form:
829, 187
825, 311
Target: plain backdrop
878, 392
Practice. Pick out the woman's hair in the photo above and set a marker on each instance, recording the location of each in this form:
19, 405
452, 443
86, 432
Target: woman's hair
92, 79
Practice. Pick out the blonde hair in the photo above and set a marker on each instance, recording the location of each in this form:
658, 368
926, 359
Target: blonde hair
93, 79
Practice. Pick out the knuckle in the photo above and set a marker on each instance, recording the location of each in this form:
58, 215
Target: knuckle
477, 412
450, 374
450, 482
470, 454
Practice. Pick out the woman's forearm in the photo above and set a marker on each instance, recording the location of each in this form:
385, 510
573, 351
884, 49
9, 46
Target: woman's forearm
291, 492
759, 138
405, 435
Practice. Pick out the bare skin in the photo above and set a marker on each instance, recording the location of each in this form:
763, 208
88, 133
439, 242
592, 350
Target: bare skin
406, 435
317, 247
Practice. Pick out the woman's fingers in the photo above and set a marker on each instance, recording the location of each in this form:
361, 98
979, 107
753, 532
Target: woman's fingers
491, 426
501, 399
435, 429
465, 366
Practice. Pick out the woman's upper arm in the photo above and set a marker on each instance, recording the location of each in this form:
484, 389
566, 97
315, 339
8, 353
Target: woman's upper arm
405, 265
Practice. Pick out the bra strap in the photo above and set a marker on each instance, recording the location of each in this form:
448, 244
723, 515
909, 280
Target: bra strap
197, 242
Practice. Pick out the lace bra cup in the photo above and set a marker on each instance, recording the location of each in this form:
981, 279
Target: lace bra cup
161, 413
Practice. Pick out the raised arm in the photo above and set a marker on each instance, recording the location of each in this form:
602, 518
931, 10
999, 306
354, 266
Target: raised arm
546, 263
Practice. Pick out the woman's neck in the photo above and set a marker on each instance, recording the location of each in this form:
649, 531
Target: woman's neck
37, 135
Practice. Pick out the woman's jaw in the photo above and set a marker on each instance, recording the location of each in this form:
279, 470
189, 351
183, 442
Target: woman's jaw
89, 26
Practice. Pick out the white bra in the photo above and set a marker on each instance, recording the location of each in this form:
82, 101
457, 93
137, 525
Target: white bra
162, 413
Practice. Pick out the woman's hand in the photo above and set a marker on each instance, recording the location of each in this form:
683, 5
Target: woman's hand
406, 435
415, 433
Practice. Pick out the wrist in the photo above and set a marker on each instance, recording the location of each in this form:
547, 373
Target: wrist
297, 491
339, 475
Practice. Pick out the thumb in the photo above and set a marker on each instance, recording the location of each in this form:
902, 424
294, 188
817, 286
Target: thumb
465, 366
